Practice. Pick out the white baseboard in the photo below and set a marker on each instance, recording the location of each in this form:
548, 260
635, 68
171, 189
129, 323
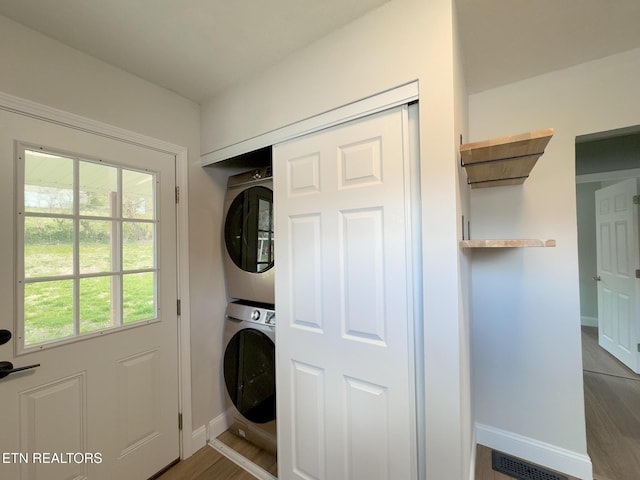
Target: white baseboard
199, 438
550, 456
217, 426
204, 433
589, 321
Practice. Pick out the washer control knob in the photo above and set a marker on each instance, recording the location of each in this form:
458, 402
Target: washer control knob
255, 315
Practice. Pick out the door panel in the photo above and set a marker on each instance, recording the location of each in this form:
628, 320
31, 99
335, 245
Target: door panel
345, 351
110, 400
618, 253
53, 418
362, 295
137, 387
308, 422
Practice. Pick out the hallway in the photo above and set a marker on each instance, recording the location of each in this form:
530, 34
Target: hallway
612, 405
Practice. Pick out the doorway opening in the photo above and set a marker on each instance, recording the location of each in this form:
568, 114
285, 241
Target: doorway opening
604, 162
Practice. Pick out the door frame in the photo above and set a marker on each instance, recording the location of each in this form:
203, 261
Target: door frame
608, 175
379, 102
404, 94
31, 109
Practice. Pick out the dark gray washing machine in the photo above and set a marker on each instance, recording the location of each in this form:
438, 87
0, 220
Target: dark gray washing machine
250, 373
248, 236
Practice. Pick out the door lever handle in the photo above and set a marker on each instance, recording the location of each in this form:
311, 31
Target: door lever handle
597, 279
6, 368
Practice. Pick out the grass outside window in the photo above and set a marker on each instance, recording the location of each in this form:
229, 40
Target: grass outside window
89, 246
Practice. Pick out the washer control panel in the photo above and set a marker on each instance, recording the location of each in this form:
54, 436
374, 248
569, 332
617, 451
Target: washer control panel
258, 313
271, 318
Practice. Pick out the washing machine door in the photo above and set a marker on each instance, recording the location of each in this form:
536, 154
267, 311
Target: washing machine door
250, 375
248, 230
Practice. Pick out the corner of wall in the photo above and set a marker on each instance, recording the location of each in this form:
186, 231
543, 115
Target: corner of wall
217, 426
474, 450
204, 434
198, 438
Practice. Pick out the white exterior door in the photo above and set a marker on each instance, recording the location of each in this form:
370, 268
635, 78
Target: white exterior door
96, 310
345, 385
618, 254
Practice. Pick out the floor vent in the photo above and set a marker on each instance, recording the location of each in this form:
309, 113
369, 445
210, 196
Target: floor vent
516, 468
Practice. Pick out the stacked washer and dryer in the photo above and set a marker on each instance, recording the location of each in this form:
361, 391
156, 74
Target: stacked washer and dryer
249, 340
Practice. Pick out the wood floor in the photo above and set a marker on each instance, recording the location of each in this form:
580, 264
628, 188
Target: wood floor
209, 464
596, 360
206, 464
612, 404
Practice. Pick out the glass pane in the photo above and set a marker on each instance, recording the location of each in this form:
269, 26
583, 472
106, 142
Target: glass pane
137, 194
48, 183
48, 247
96, 247
96, 309
248, 229
265, 251
98, 189
138, 245
139, 297
265, 235
264, 215
48, 311
250, 374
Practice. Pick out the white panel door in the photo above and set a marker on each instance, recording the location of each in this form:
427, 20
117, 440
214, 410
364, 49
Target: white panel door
618, 254
103, 403
346, 406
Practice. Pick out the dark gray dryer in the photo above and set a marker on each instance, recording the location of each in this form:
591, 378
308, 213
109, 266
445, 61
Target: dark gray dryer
248, 236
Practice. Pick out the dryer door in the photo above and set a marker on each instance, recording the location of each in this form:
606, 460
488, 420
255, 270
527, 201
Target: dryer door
248, 229
250, 375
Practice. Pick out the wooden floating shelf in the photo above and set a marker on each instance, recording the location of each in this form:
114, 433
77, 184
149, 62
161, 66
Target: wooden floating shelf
507, 243
503, 161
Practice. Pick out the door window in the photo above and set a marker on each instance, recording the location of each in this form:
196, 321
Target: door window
249, 230
250, 375
87, 247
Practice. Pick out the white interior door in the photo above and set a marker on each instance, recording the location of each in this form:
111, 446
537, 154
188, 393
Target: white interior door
87, 280
618, 254
345, 385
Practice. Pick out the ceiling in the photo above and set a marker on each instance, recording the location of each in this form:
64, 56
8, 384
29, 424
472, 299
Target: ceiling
199, 47
193, 47
508, 40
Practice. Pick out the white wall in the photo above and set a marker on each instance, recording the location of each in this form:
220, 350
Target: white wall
44, 71
402, 41
526, 318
